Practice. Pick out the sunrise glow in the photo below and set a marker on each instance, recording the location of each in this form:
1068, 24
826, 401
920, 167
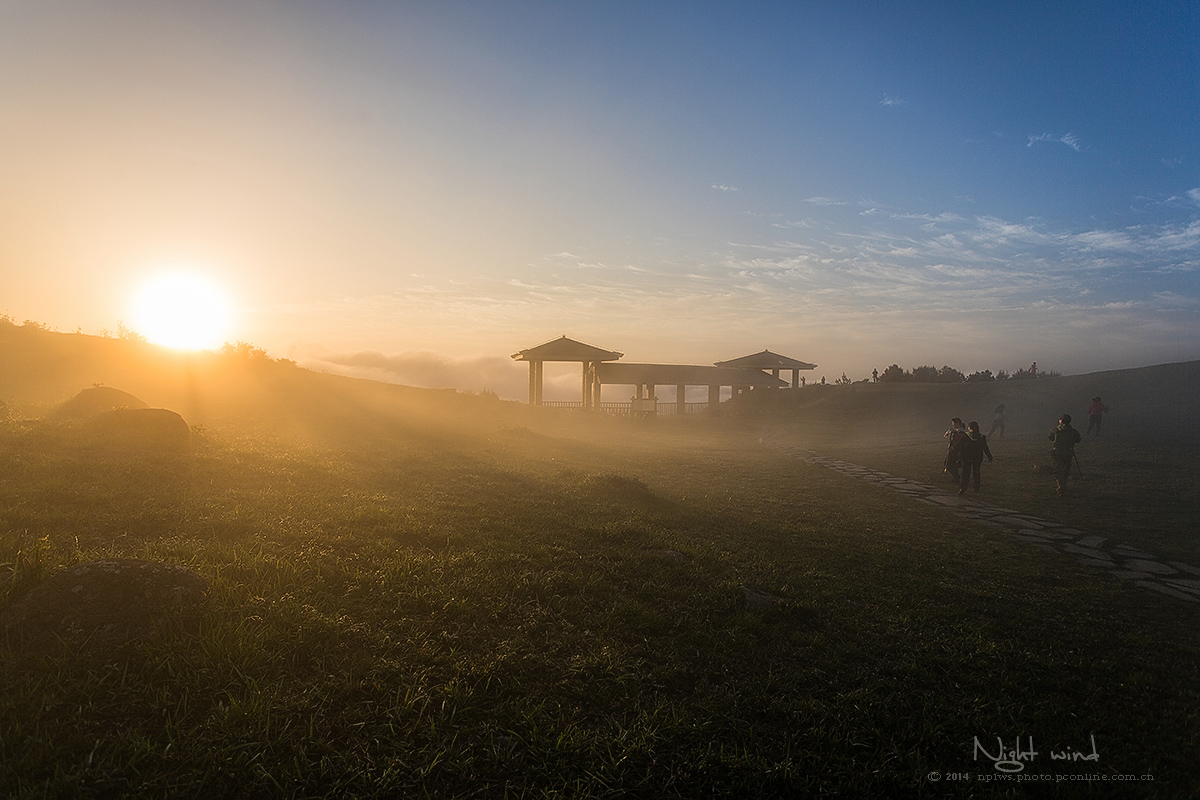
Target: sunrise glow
182, 310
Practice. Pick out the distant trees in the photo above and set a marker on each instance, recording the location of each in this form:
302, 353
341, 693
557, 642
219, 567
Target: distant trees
128, 334
244, 350
947, 374
950, 375
924, 374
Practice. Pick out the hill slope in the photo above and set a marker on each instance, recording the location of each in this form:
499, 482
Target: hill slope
40, 370
1155, 403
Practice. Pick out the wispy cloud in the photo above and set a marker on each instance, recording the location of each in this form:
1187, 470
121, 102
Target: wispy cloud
426, 370
964, 290
825, 201
1068, 139
723, 188
892, 100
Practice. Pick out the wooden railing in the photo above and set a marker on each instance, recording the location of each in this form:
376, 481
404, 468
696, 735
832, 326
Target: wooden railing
626, 408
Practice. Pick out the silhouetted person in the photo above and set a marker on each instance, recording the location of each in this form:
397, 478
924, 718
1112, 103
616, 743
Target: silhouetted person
1096, 415
974, 448
874, 376
998, 421
954, 437
1063, 450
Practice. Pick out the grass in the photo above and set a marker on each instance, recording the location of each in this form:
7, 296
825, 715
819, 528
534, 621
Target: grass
560, 613
510, 603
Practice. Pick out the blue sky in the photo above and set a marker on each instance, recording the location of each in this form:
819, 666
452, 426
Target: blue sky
425, 188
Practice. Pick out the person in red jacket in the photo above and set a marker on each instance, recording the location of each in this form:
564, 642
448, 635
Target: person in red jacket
1095, 415
974, 448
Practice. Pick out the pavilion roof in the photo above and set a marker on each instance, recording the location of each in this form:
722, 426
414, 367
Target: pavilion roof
564, 349
686, 374
766, 360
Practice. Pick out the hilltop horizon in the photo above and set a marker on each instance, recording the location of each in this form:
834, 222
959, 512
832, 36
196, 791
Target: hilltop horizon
40, 369
508, 379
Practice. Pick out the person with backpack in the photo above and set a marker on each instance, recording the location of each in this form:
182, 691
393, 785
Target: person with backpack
973, 448
1062, 452
954, 437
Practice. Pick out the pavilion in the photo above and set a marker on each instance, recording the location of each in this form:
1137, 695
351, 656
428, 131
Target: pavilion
772, 361
740, 374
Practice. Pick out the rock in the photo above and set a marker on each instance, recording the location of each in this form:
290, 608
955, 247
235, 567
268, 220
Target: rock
103, 603
95, 400
612, 487
147, 428
756, 598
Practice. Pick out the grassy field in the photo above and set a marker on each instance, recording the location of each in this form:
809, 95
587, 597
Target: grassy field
490, 601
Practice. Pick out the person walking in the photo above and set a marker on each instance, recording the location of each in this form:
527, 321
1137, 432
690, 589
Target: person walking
954, 437
974, 448
1096, 413
998, 421
1062, 452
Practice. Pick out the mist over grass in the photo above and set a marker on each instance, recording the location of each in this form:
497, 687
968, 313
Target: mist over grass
420, 593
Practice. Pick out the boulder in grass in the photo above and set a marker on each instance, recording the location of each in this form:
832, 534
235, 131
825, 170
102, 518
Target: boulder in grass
95, 400
757, 598
105, 603
156, 429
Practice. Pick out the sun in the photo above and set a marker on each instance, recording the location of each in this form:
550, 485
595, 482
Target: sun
182, 310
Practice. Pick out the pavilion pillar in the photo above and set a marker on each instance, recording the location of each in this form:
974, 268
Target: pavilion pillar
680, 399
714, 397
596, 386
535, 379
795, 379
586, 394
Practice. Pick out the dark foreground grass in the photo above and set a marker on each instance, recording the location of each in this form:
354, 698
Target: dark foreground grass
557, 612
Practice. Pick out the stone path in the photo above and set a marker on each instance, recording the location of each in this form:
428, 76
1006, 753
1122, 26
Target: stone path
1173, 578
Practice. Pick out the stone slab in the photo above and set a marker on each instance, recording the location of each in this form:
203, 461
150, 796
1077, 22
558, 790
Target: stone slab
1167, 590
1130, 552
1018, 522
1183, 583
1086, 551
1130, 574
949, 500
1049, 536
1146, 565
